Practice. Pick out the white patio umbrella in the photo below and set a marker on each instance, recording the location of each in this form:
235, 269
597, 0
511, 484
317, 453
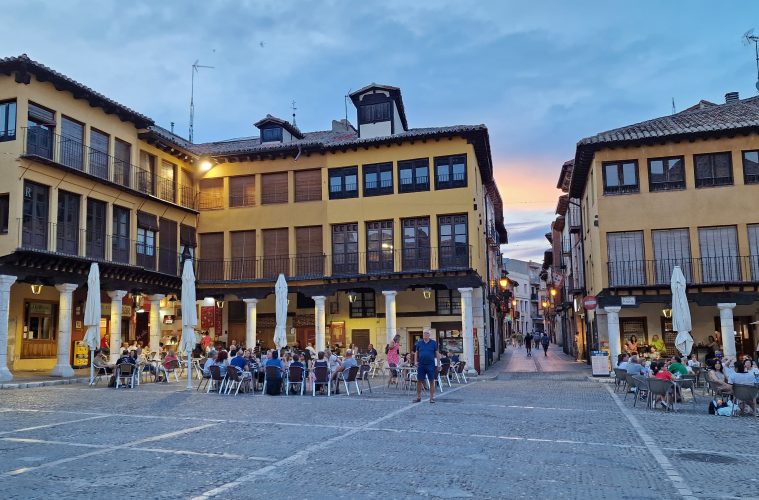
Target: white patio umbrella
189, 316
92, 316
681, 322
280, 292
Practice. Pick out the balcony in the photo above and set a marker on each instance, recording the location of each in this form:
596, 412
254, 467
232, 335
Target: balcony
700, 271
38, 234
69, 154
319, 266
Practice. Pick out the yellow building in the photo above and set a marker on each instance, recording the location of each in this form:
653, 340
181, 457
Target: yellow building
680, 190
379, 230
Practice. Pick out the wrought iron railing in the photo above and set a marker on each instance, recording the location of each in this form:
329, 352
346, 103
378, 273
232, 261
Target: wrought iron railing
698, 271
43, 144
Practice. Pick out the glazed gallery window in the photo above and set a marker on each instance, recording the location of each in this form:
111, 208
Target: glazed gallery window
450, 172
413, 175
750, 165
343, 183
272, 134
373, 113
448, 302
7, 120
713, 169
666, 174
378, 179
621, 177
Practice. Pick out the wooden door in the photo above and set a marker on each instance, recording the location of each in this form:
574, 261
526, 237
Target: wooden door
67, 231
36, 213
361, 339
236, 332
306, 335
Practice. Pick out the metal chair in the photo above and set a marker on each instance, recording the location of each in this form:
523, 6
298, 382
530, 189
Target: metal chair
363, 376
658, 387
348, 378
125, 372
629, 384
234, 381
620, 376
217, 379
444, 373
461, 372
321, 377
696, 373
272, 373
745, 393
173, 368
204, 378
295, 376
688, 382
100, 372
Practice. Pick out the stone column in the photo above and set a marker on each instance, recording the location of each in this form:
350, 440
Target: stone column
467, 324
5, 297
390, 309
155, 321
116, 338
320, 318
727, 328
62, 366
612, 327
251, 314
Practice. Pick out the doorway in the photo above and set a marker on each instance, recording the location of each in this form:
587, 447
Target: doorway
361, 339
744, 334
305, 335
413, 337
141, 328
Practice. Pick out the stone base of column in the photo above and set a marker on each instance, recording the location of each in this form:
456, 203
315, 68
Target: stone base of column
471, 372
5, 375
62, 371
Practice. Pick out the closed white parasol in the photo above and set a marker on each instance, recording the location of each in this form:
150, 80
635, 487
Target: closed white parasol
92, 316
681, 322
280, 331
189, 316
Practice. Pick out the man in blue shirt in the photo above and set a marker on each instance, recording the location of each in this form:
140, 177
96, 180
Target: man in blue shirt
425, 355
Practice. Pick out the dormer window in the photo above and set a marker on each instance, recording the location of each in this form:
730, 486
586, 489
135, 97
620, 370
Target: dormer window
271, 134
373, 113
380, 111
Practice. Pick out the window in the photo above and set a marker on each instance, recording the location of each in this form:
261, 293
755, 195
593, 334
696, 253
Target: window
309, 251
276, 252
4, 206
122, 163
187, 240
146, 173
750, 165
378, 179
147, 227
211, 194
416, 244
414, 175
34, 231
39, 135
345, 249
448, 302
308, 185
99, 154
168, 258
719, 254
621, 177
120, 242
7, 121
166, 187
450, 172
666, 174
95, 228
364, 305
671, 248
242, 191
67, 229
713, 169
211, 262
271, 134
72, 143
627, 266
243, 246
379, 246
376, 112
343, 183
452, 242
274, 188
753, 247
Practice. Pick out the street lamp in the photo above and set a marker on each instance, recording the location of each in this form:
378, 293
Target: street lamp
545, 304
514, 302
503, 282
553, 292
352, 296
667, 311
427, 292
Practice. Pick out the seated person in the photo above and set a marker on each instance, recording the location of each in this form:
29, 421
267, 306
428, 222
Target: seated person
241, 364
101, 361
693, 362
718, 380
222, 362
658, 372
125, 358
275, 361
631, 346
657, 344
445, 360
634, 367
741, 377
455, 358
348, 362
209, 361
677, 367
320, 362
296, 363
372, 352
166, 365
622, 360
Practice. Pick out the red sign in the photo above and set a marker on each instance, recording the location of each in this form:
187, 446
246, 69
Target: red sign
590, 302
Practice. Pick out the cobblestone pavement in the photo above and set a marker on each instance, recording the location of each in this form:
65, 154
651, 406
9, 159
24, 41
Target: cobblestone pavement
510, 434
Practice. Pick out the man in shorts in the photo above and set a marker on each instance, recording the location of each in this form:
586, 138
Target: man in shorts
425, 354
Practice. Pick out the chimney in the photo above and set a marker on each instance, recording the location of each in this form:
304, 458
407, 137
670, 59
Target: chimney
731, 97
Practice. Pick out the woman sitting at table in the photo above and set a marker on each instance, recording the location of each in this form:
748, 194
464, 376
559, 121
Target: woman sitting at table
741, 377
658, 344
320, 362
632, 345
222, 362
166, 365
101, 361
658, 372
718, 379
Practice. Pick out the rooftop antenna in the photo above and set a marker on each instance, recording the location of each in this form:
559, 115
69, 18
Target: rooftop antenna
674, 110
748, 39
195, 67
345, 101
292, 105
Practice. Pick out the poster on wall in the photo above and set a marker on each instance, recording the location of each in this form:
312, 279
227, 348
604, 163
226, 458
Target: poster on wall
337, 332
81, 354
207, 317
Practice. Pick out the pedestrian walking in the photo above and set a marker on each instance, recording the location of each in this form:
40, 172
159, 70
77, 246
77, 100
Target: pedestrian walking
528, 343
544, 341
425, 354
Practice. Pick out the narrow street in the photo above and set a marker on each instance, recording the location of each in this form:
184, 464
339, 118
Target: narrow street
527, 428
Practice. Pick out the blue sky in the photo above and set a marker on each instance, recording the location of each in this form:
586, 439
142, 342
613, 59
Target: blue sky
541, 75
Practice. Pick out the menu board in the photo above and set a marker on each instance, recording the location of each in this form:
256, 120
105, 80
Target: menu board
599, 362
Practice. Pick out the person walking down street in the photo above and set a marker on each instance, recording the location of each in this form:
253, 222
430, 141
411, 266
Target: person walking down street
425, 355
528, 343
544, 341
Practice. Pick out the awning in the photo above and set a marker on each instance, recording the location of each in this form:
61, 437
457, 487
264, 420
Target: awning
147, 221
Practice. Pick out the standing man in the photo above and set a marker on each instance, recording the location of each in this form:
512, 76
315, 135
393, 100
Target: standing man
528, 343
544, 341
425, 354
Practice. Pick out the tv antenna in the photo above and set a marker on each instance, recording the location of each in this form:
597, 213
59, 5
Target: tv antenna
748, 39
195, 67
292, 105
345, 102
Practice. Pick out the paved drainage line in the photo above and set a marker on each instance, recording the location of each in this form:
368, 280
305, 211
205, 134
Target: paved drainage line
674, 477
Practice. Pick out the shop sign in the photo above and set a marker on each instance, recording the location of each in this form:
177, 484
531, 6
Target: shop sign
105, 309
126, 311
628, 301
40, 308
590, 302
81, 354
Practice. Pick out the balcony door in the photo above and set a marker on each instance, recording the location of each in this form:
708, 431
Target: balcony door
39, 138
168, 258
72, 143
35, 221
453, 251
379, 246
671, 248
719, 254
120, 243
276, 252
67, 231
627, 266
345, 249
416, 244
96, 228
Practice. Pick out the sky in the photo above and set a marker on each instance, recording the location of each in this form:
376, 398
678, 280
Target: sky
541, 75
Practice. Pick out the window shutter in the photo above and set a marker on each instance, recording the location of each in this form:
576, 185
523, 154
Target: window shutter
274, 188
242, 191
719, 254
40, 114
308, 240
243, 244
147, 221
212, 246
626, 264
211, 193
275, 242
671, 248
308, 185
187, 236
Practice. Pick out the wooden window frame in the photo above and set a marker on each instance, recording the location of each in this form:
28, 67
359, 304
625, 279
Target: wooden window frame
448, 161
413, 166
313, 193
622, 188
750, 178
713, 181
268, 197
237, 200
8, 129
667, 185
378, 169
341, 173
